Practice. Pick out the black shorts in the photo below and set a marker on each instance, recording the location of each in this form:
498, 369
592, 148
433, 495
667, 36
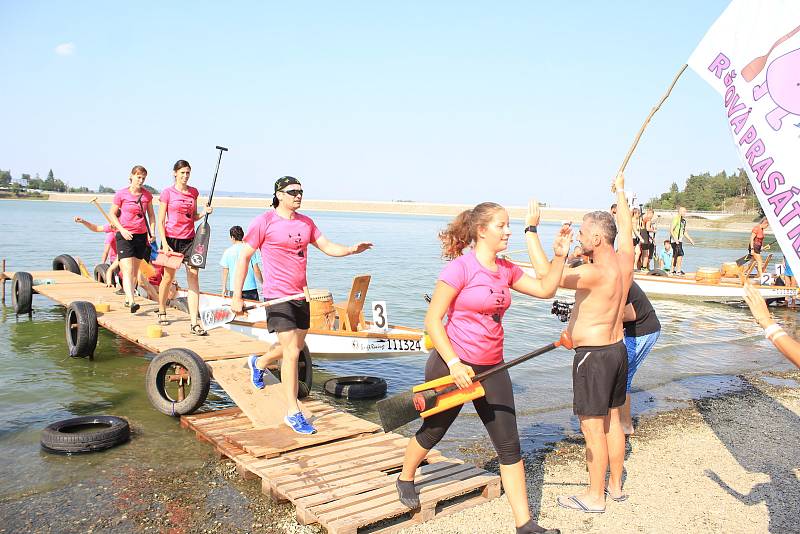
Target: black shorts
250, 294
599, 377
285, 316
677, 249
756, 249
138, 247
182, 246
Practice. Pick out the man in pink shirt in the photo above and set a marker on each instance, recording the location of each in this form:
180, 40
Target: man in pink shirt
283, 236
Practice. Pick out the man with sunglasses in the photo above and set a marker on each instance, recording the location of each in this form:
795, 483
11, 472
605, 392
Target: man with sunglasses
283, 236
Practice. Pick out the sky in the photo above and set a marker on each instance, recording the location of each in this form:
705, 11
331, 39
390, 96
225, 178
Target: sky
447, 102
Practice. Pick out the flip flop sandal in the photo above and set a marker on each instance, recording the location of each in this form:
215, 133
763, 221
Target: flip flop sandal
619, 498
574, 503
162, 318
198, 330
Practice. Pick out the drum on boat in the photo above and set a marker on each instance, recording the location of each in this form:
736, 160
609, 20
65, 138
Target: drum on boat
730, 269
708, 275
323, 314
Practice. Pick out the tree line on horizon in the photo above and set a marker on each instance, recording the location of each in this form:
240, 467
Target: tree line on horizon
707, 192
51, 184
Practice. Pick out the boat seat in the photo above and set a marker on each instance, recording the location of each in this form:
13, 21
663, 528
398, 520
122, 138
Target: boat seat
351, 314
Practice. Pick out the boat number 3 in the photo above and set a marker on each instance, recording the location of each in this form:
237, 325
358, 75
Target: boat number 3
380, 317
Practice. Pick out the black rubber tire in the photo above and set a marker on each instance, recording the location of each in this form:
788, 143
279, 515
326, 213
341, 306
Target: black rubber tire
155, 382
100, 272
22, 293
356, 387
80, 327
305, 373
180, 303
657, 272
111, 431
65, 262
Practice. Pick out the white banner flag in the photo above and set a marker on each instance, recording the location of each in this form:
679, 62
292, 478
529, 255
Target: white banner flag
751, 55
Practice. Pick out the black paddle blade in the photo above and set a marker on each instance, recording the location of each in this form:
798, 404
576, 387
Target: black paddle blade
401, 409
197, 256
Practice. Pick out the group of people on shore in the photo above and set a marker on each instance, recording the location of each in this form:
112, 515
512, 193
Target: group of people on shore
612, 326
647, 255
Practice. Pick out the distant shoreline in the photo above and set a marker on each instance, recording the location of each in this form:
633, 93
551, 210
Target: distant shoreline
549, 214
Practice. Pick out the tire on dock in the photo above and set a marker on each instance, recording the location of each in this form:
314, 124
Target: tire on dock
65, 262
22, 293
356, 387
81, 329
157, 382
657, 272
62, 436
101, 274
305, 373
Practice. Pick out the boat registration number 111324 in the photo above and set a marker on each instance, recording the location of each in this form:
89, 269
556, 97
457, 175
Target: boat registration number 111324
404, 344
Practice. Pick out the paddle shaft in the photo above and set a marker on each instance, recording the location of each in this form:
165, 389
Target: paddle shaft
98, 206
504, 366
650, 116
214, 182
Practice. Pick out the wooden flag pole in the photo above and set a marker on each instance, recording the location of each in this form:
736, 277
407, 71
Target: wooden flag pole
652, 112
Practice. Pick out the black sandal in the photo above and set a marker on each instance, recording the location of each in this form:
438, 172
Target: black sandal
162, 318
198, 330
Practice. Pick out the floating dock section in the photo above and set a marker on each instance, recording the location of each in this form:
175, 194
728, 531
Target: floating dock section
342, 477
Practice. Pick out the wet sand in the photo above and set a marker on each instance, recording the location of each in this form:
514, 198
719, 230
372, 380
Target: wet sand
725, 464
549, 214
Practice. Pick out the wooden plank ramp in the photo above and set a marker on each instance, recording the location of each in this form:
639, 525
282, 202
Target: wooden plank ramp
343, 482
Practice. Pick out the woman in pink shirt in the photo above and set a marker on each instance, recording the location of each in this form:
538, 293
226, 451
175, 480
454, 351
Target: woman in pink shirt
473, 291
130, 211
177, 214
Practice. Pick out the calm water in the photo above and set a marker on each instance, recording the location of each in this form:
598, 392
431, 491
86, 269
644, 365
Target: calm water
701, 350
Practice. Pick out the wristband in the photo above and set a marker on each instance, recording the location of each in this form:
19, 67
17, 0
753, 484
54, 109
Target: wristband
453, 361
771, 329
779, 334
531, 228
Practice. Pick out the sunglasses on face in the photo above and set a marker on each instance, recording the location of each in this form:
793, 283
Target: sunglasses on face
293, 192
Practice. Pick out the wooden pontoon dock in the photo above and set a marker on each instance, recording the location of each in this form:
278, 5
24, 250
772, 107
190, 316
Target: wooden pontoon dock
342, 477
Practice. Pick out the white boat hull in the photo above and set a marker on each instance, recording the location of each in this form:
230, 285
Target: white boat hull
396, 340
688, 287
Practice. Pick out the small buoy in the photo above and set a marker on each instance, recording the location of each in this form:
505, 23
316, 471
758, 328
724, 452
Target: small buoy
154, 330
427, 342
102, 307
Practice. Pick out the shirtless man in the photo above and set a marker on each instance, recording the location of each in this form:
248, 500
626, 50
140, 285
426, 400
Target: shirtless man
600, 366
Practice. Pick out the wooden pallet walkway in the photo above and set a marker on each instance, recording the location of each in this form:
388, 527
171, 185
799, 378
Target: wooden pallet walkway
346, 483
343, 477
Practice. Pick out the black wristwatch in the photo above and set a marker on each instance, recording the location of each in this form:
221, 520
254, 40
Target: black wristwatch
531, 228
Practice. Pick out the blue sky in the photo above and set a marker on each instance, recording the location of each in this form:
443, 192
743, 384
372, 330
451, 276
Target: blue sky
453, 102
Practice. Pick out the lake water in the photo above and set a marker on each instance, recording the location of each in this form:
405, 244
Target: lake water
702, 348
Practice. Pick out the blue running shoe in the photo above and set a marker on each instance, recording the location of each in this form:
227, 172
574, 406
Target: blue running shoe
299, 424
256, 374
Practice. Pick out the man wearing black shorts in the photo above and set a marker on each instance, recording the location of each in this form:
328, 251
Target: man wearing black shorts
283, 236
600, 365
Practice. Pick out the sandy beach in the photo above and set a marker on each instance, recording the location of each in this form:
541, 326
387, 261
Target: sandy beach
724, 464
549, 214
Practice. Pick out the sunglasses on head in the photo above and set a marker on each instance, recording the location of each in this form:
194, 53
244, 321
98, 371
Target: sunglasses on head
293, 192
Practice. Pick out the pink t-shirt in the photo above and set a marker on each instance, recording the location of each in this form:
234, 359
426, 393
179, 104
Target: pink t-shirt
181, 208
111, 239
284, 249
132, 217
474, 319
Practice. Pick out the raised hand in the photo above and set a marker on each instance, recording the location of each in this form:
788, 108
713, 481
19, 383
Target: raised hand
758, 307
534, 214
563, 240
619, 183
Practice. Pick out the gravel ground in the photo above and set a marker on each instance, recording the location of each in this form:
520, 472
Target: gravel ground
728, 464
725, 464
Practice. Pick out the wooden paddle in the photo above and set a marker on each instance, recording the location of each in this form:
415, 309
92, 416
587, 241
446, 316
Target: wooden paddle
217, 316
442, 394
744, 259
94, 201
